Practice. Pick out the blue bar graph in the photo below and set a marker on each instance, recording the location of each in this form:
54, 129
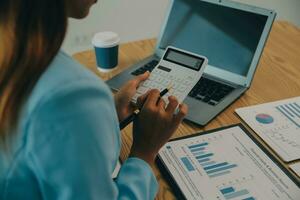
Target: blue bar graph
231, 193
208, 163
221, 169
187, 164
215, 166
291, 111
205, 156
285, 109
198, 145
197, 149
227, 190
205, 159
236, 194
298, 106
199, 153
249, 198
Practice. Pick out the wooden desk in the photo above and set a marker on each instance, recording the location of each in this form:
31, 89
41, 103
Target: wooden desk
277, 77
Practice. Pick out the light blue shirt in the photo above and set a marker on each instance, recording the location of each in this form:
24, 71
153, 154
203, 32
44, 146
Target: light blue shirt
67, 143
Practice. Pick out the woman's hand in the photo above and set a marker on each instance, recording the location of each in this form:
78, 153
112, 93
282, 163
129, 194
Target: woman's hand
155, 124
123, 97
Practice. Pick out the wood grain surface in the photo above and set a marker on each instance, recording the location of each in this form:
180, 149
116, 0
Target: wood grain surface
277, 77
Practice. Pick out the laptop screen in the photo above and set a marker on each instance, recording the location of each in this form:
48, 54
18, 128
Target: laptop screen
226, 36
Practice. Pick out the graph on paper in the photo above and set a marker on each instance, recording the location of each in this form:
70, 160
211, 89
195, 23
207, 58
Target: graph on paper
278, 124
225, 165
232, 193
291, 111
206, 159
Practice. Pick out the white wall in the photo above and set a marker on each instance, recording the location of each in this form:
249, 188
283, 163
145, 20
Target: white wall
140, 19
131, 19
288, 10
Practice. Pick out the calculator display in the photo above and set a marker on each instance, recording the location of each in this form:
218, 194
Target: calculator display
184, 59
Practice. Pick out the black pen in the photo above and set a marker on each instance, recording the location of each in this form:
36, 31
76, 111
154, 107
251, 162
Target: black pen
135, 113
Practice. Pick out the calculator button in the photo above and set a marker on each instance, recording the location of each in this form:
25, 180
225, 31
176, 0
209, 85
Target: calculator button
142, 90
177, 95
147, 83
178, 80
172, 92
154, 72
186, 82
134, 99
175, 85
161, 88
189, 78
159, 79
171, 77
153, 85
164, 74
159, 71
166, 82
182, 88
152, 78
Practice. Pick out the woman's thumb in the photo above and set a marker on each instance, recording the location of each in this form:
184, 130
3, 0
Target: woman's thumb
142, 77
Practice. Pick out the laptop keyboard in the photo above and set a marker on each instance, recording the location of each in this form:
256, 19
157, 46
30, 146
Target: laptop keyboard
210, 91
206, 90
147, 67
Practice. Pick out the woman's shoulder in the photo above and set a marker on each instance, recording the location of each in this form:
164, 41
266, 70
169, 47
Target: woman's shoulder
66, 91
64, 109
63, 74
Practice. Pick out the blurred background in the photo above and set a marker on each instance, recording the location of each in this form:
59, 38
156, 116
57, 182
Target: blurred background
142, 19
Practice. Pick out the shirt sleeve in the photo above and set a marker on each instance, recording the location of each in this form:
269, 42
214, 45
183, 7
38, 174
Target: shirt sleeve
73, 145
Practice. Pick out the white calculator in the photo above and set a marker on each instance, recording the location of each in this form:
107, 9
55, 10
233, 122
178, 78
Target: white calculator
178, 69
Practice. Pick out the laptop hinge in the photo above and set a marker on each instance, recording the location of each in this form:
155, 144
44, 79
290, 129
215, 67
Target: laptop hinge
225, 76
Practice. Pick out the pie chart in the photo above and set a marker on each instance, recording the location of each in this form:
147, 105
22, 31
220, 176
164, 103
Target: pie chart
264, 118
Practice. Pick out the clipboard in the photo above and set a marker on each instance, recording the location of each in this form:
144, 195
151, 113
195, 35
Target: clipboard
176, 187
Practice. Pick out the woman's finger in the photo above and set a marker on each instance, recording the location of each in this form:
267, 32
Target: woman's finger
161, 103
183, 110
141, 78
173, 103
141, 99
152, 98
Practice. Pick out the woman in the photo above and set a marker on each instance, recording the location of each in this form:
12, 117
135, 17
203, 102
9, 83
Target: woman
59, 123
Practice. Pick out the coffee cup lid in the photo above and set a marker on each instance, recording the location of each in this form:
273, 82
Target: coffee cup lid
105, 39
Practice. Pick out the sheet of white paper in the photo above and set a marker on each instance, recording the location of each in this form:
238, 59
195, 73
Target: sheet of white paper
226, 165
296, 168
278, 124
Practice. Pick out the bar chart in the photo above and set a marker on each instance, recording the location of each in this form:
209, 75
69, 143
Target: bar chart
291, 111
225, 165
187, 164
206, 160
232, 193
278, 124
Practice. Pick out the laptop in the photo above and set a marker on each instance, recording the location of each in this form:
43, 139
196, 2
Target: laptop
231, 35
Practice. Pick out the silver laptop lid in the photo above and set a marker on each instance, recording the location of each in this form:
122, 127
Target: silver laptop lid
230, 34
